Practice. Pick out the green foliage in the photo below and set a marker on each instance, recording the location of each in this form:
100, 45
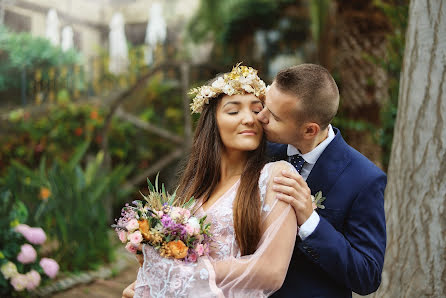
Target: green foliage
61, 128
397, 12
74, 211
19, 51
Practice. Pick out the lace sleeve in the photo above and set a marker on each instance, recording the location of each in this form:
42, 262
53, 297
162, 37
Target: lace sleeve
261, 274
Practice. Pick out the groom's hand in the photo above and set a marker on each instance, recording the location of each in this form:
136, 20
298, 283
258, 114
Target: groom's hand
292, 189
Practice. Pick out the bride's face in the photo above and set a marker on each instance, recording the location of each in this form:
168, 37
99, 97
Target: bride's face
237, 122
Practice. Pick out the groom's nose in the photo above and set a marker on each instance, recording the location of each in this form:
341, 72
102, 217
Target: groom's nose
263, 116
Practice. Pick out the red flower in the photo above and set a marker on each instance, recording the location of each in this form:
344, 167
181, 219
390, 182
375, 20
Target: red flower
78, 131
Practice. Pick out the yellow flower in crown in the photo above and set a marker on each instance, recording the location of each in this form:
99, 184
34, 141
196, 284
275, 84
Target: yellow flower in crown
241, 80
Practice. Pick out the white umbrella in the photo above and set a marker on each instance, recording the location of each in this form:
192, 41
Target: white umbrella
67, 38
52, 27
119, 56
156, 30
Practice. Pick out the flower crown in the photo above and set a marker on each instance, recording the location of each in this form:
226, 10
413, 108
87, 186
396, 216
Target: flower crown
241, 80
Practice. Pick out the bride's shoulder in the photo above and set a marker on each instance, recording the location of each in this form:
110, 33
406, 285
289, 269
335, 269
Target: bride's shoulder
275, 167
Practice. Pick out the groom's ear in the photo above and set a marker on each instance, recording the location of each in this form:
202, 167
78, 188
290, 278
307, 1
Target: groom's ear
311, 130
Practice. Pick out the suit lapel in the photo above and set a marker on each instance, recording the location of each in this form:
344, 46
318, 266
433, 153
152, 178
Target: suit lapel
329, 165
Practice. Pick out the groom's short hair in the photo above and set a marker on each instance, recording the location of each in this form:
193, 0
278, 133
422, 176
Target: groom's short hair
315, 87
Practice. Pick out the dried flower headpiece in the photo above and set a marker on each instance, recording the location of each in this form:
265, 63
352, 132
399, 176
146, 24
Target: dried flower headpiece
241, 80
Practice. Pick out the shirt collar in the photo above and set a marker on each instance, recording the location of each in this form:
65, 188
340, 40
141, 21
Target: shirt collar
312, 156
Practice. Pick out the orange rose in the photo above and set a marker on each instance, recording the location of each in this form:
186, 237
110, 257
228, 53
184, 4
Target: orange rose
144, 228
178, 249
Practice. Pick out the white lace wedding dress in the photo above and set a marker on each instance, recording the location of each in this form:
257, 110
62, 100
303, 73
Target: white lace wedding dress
225, 273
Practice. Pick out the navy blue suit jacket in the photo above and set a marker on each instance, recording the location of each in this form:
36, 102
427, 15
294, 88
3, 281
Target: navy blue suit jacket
345, 252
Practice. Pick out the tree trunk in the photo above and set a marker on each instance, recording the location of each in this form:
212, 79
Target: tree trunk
415, 199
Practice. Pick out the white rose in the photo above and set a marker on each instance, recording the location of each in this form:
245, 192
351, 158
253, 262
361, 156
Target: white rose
219, 83
194, 223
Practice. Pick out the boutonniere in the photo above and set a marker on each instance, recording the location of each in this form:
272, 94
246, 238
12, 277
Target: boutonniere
317, 200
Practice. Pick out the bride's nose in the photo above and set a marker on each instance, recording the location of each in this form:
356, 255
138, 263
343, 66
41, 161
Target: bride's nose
248, 118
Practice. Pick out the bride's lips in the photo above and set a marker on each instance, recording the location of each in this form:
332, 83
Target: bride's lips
248, 132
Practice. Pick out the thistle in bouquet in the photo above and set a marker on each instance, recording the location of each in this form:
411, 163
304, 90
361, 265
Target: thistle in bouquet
166, 223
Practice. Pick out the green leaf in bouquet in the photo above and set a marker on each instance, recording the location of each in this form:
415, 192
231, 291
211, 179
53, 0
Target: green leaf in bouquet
189, 203
156, 182
150, 185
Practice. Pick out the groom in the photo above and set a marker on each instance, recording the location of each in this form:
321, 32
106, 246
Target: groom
339, 249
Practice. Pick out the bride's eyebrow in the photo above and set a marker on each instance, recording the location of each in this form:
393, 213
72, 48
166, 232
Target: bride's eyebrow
232, 102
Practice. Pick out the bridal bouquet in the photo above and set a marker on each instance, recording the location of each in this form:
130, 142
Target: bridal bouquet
163, 222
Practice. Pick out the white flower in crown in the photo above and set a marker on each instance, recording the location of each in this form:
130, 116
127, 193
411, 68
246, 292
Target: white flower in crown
219, 83
229, 90
241, 80
207, 92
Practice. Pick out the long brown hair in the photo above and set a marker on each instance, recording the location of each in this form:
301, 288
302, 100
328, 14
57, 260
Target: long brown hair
202, 174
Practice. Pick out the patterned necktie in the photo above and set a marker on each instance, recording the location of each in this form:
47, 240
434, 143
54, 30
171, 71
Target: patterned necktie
297, 161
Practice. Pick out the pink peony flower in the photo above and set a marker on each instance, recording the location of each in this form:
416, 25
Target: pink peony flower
49, 266
33, 278
132, 225
199, 249
122, 236
19, 282
131, 248
27, 254
135, 238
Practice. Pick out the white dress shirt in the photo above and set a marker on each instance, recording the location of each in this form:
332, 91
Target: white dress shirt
311, 158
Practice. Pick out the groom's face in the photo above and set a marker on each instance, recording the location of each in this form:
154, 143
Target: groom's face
278, 116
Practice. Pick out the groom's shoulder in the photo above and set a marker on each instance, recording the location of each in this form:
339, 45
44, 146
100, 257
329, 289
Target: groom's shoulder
360, 162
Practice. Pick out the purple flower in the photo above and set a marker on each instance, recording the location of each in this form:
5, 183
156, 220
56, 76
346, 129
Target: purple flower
27, 254
49, 266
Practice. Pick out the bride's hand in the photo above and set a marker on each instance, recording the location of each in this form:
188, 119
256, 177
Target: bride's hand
129, 292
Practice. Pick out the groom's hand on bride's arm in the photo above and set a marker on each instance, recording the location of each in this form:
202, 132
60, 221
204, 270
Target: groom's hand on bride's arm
129, 292
292, 189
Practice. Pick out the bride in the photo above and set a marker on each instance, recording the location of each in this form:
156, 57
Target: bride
254, 232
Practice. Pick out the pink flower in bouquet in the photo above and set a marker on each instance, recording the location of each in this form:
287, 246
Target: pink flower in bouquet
185, 213
50, 267
27, 254
192, 257
160, 213
131, 248
135, 238
33, 235
199, 249
132, 225
122, 236
33, 278
19, 282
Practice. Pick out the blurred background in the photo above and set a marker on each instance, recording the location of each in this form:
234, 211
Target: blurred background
93, 100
